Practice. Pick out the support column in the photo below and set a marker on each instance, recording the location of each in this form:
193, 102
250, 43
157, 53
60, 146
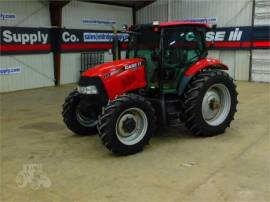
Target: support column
56, 21
134, 16
252, 39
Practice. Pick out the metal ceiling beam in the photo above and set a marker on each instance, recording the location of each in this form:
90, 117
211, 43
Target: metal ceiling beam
144, 4
130, 4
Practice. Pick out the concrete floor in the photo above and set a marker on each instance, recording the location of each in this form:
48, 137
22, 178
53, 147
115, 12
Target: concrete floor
175, 166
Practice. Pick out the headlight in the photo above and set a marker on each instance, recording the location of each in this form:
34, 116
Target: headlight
89, 90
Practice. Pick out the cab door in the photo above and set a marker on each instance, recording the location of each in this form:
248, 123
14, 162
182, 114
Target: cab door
182, 46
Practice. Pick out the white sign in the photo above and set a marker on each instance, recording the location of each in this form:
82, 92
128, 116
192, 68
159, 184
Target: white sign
102, 37
25, 38
97, 21
7, 16
12, 70
212, 20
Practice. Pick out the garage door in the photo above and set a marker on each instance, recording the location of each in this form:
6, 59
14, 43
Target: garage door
261, 65
260, 58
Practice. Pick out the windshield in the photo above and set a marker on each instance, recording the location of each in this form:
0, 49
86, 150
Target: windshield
143, 43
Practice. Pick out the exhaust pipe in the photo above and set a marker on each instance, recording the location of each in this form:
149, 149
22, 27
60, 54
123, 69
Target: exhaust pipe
116, 49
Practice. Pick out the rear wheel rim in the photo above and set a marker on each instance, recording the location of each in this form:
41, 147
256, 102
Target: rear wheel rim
134, 134
216, 104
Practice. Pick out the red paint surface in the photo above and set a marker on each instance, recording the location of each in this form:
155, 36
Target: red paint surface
83, 46
205, 63
261, 44
179, 23
236, 44
26, 47
124, 80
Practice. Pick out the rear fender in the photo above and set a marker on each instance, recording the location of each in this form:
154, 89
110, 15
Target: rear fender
206, 63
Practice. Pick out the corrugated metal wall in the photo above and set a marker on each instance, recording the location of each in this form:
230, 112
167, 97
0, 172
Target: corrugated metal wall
72, 16
262, 12
36, 70
261, 65
261, 58
155, 11
228, 12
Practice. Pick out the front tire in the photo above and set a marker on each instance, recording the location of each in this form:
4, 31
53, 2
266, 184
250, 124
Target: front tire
77, 121
127, 124
210, 103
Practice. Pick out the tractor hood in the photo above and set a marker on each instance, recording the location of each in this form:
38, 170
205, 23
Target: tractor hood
109, 68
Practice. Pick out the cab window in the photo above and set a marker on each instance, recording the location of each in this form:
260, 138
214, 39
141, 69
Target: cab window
182, 46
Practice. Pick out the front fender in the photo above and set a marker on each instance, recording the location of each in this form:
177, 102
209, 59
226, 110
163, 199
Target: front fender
206, 63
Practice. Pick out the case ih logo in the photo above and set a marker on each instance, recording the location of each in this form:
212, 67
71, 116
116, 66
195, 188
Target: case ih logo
226, 35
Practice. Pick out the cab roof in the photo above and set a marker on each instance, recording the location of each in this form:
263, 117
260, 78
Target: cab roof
180, 23
170, 24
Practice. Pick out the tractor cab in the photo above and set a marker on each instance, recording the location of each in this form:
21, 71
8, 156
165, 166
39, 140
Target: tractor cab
168, 50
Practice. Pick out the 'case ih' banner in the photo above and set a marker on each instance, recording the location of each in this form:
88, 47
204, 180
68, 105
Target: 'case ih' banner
239, 38
20, 40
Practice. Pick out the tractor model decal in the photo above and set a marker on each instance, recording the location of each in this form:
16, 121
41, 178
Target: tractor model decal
126, 67
133, 66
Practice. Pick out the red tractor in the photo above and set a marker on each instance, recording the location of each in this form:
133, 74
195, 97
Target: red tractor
165, 78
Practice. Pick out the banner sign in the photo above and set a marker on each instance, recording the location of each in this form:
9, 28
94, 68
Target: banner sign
239, 38
7, 71
7, 16
212, 20
97, 22
16, 40
73, 40
22, 40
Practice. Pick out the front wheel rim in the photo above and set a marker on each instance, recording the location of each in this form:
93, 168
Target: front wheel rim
132, 136
84, 120
216, 104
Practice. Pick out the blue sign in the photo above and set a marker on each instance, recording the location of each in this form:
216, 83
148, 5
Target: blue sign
98, 22
7, 71
212, 20
102, 37
7, 16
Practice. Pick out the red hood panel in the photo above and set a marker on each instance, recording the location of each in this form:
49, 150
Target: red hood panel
102, 69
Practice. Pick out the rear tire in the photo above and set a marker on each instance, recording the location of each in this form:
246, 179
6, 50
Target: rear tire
127, 124
72, 119
210, 103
